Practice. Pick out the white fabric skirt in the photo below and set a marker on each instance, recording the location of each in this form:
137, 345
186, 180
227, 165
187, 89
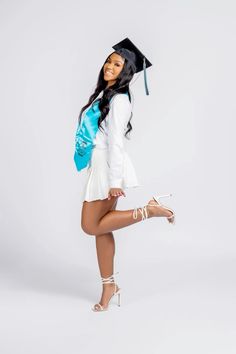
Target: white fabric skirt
97, 184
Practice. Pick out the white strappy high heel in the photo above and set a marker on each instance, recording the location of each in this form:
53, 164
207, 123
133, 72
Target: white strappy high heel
144, 212
108, 280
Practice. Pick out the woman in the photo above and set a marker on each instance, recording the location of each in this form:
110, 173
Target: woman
111, 171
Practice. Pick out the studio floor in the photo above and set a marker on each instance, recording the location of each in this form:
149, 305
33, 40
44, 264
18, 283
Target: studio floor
178, 307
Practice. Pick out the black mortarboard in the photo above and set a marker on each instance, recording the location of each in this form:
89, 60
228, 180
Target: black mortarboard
133, 54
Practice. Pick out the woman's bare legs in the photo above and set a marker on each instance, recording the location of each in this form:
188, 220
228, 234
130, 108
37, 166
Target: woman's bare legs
98, 218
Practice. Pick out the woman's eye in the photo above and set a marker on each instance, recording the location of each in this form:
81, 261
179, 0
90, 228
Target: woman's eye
108, 61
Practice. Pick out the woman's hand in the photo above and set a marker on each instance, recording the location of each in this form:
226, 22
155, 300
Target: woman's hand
114, 192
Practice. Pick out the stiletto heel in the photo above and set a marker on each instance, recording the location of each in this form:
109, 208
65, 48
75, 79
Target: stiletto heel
118, 298
171, 218
116, 292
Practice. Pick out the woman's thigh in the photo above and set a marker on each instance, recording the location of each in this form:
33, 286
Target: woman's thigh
93, 212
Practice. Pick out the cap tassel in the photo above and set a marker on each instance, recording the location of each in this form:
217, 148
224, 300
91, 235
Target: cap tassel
145, 76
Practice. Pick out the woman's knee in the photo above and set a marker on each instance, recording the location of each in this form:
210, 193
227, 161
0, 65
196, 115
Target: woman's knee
87, 228
92, 212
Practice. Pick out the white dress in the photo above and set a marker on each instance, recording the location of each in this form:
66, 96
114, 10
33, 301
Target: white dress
110, 165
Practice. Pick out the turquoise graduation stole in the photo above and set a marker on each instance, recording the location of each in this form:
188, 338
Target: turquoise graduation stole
85, 134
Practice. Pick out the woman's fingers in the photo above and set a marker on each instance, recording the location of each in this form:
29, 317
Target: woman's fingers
114, 192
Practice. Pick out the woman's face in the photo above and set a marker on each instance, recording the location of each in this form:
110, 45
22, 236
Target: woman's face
112, 68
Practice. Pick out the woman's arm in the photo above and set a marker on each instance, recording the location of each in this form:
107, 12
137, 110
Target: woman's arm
118, 117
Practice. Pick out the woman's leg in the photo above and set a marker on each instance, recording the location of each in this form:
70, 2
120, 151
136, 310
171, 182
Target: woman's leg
98, 218
105, 245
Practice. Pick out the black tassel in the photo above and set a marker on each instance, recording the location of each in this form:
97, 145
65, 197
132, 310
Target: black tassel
145, 76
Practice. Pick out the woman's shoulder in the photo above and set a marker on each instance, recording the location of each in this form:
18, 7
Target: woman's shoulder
121, 99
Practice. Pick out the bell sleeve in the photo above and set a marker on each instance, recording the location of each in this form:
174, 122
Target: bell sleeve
118, 117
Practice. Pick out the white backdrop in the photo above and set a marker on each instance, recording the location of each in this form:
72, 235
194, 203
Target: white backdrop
178, 281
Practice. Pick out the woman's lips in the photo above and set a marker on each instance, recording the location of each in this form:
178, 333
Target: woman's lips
107, 72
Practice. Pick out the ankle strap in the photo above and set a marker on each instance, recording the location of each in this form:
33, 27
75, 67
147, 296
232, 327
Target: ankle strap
143, 212
110, 279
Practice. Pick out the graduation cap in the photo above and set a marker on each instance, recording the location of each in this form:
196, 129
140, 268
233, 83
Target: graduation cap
127, 49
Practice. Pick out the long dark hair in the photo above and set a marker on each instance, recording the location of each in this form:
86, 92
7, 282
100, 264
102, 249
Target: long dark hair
121, 86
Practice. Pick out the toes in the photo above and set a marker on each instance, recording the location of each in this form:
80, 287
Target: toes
97, 307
